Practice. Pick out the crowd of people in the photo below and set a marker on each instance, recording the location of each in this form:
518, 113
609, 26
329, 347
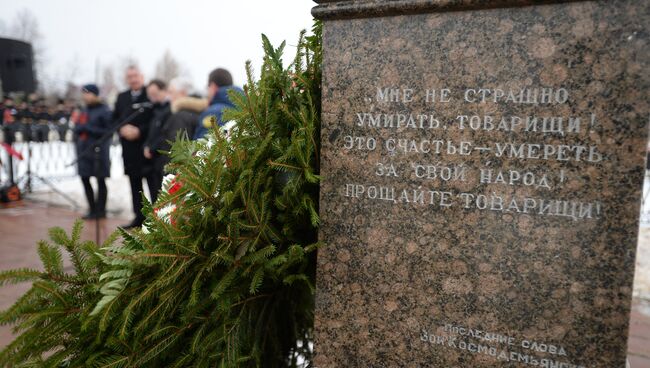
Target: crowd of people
34, 118
147, 118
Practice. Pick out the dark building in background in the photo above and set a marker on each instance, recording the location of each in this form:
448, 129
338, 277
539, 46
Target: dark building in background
16, 66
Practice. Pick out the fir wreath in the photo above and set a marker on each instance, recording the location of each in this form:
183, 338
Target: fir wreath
226, 278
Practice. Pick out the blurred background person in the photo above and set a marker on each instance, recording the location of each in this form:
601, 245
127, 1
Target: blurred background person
132, 136
219, 83
157, 93
181, 119
8, 111
93, 123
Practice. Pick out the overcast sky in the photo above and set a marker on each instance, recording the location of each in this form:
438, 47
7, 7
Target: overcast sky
200, 34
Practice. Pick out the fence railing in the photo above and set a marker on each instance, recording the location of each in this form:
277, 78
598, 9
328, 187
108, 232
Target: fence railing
49, 160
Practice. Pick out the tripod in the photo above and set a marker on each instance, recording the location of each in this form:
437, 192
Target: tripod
96, 150
29, 177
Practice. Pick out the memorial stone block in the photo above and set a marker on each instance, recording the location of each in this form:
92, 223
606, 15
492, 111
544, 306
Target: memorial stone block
482, 167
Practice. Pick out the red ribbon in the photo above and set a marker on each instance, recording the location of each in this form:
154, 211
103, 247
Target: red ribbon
12, 151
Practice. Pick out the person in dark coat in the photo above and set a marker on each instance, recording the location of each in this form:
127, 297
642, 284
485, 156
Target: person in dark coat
219, 84
179, 118
3, 107
94, 121
157, 93
132, 136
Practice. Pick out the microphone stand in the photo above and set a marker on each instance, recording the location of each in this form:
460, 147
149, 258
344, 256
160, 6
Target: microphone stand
96, 149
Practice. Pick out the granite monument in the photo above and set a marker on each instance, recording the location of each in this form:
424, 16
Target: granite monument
482, 166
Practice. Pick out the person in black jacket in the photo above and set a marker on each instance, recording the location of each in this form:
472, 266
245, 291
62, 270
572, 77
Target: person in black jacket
180, 117
157, 93
94, 121
132, 136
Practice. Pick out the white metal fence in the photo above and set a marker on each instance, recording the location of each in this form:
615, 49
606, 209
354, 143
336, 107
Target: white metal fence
49, 160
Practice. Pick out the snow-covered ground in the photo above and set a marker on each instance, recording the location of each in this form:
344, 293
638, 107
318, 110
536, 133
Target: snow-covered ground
51, 161
58, 154
642, 270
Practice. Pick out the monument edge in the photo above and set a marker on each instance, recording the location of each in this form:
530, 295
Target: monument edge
346, 9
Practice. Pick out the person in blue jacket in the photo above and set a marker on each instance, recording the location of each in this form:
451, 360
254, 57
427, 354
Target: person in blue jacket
219, 83
94, 122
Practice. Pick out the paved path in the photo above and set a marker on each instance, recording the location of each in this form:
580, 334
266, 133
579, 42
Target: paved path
639, 344
20, 228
